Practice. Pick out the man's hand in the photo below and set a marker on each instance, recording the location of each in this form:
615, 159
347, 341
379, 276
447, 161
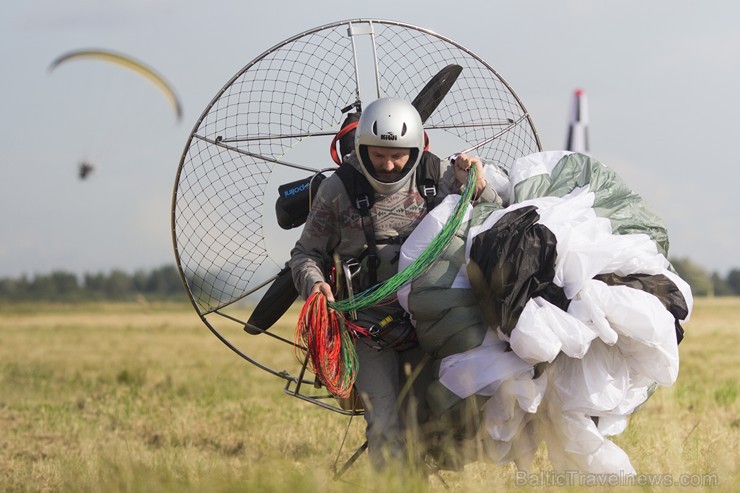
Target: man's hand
463, 163
325, 289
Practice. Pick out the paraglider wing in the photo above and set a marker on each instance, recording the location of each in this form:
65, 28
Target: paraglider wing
127, 62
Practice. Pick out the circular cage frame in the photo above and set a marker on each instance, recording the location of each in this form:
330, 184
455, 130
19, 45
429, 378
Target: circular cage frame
268, 107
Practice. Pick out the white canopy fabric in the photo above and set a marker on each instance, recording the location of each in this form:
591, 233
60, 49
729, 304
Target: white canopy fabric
568, 374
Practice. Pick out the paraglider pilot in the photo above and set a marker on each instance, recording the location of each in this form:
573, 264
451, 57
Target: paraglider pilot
85, 169
389, 157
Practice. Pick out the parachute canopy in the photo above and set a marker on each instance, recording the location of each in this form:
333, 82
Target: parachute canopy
126, 62
552, 319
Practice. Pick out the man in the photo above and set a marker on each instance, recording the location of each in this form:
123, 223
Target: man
389, 147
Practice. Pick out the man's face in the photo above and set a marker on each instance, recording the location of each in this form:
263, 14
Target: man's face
388, 162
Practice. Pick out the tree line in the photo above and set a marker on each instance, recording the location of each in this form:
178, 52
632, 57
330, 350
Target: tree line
164, 284
159, 284
704, 283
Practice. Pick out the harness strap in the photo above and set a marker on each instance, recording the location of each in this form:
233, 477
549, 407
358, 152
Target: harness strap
363, 197
362, 203
428, 190
394, 240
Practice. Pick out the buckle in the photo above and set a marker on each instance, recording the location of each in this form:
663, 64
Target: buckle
350, 268
362, 202
429, 190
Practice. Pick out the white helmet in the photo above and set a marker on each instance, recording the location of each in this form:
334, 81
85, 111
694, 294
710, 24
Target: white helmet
389, 122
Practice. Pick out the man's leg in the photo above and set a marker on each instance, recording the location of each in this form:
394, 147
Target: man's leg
377, 381
416, 375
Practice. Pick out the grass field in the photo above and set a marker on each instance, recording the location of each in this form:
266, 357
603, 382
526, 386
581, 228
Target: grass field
142, 397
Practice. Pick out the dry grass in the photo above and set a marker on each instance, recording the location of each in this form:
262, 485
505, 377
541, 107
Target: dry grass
135, 397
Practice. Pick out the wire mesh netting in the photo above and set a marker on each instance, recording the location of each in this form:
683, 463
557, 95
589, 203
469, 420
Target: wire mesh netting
273, 122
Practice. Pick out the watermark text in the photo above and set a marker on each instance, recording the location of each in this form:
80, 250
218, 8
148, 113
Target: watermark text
576, 478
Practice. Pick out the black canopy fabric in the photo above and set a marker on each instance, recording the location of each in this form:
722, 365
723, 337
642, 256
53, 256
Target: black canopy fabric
658, 285
517, 260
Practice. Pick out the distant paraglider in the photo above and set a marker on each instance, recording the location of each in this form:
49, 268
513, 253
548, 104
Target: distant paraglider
129, 63
85, 169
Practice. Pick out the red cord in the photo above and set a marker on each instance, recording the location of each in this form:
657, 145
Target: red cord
329, 344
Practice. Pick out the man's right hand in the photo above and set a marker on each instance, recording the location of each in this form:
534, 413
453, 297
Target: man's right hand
325, 289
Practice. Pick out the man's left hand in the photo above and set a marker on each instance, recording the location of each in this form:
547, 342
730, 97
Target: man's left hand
463, 163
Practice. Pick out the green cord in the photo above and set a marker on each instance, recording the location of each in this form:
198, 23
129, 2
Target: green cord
420, 265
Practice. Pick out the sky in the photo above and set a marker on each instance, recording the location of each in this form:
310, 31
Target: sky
661, 78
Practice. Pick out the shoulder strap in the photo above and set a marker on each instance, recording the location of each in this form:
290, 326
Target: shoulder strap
362, 196
359, 191
427, 177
